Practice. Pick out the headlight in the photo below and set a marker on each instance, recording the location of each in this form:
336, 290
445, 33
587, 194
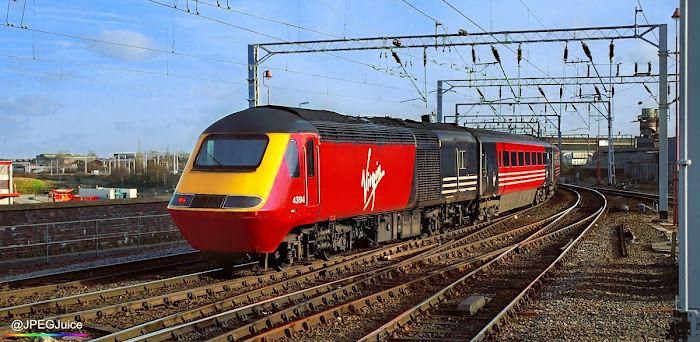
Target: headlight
181, 200
241, 202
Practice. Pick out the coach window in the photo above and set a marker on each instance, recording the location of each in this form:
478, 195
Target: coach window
292, 159
310, 158
506, 160
462, 159
539, 158
521, 159
514, 158
527, 158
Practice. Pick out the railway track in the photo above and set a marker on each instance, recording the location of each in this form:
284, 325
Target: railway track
276, 304
488, 300
644, 196
51, 283
158, 311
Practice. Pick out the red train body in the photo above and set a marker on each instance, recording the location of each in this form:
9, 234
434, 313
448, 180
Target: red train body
298, 182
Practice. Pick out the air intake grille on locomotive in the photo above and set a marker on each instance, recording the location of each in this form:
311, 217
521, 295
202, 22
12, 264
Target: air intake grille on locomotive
363, 133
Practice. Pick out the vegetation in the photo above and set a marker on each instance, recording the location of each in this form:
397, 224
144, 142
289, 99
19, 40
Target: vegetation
26, 185
156, 177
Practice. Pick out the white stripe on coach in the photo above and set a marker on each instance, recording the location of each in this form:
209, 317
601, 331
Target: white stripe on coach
522, 181
450, 185
520, 172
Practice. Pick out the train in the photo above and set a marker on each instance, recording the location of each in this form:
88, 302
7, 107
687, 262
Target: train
282, 184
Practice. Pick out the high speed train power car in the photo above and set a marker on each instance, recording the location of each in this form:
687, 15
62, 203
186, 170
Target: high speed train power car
292, 183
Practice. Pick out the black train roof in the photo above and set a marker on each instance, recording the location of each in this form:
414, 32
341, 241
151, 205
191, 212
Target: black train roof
336, 127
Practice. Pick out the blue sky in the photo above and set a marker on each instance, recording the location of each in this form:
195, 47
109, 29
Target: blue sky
87, 75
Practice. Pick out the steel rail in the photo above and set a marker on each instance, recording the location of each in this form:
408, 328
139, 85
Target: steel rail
386, 330
166, 327
334, 265
631, 194
155, 327
84, 298
521, 298
89, 276
287, 330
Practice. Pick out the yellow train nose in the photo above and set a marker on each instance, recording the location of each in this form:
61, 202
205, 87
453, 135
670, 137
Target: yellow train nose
242, 182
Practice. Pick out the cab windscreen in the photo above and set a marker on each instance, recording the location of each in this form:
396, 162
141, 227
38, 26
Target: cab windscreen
231, 152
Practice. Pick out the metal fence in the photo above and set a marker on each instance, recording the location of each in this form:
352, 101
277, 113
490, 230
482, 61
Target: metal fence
96, 235
648, 171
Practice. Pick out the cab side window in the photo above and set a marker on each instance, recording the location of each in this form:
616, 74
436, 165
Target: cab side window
291, 156
310, 158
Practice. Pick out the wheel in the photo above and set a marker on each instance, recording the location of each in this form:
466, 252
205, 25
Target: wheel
327, 254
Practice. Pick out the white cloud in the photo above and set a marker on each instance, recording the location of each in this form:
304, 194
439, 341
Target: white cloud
28, 106
135, 46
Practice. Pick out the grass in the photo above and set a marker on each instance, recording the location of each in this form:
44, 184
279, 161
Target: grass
34, 186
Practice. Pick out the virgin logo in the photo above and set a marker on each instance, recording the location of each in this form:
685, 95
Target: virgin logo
370, 181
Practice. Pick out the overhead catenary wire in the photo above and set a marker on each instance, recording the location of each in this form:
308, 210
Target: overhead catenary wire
508, 47
172, 52
169, 52
270, 36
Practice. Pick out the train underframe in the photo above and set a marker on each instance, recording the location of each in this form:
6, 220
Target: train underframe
327, 239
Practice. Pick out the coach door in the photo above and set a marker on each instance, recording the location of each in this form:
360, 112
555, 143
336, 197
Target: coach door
311, 172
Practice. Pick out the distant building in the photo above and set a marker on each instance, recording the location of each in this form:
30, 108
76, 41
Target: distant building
125, 155
62, 160
107, 193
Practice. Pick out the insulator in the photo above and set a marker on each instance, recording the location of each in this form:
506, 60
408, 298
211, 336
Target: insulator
587, 51
618, 70
635, 68
649, 68
566, 52
596, 90
473, 55
613, 91
561, 92
541, 91
480, 93
588, 73
500, 93
396, 57
520, 54
580, 92
612, 51
425, 57
495, 54
574, 107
